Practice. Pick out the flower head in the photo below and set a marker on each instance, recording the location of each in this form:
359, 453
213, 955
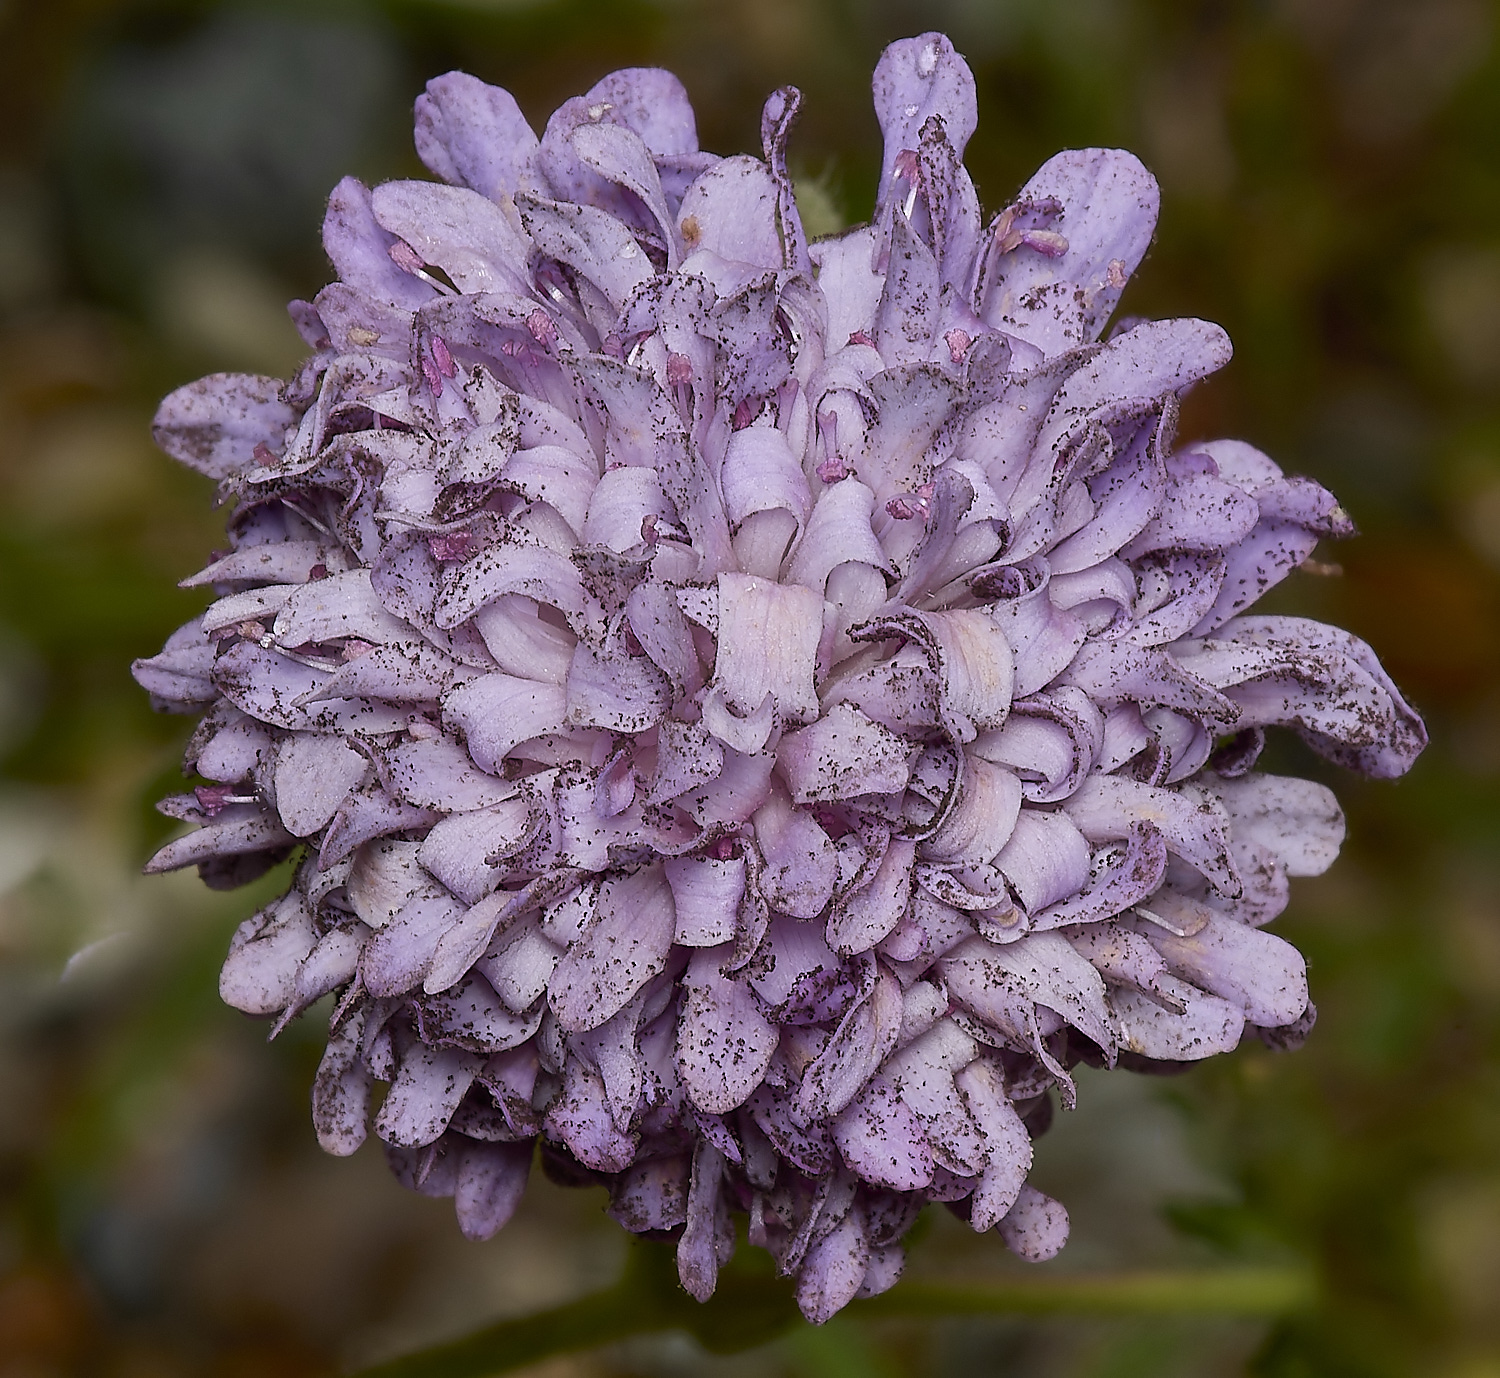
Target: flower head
754, 714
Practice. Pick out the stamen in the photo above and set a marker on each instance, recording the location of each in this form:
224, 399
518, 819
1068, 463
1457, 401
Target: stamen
214, 799
904, 506
542, 328
1047, 242
450, 546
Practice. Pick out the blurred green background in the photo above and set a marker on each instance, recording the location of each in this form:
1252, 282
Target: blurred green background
1331, 194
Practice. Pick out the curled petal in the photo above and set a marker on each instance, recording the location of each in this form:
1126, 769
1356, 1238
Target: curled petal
1046, 859
460, 231
1106, 211
1292, 671
982, 819
497, 712
867, 915
1260, 973
843, 754
1007, 1144
1207, 1025
968, 654
1106, 808
1051, 740
360, 250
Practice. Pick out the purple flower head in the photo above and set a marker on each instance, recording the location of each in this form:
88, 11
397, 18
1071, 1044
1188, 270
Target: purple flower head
753, 714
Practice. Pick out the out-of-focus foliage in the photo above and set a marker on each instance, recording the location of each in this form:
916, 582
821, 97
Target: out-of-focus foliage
1331, 179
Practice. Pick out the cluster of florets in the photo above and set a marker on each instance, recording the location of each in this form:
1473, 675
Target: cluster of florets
752, 714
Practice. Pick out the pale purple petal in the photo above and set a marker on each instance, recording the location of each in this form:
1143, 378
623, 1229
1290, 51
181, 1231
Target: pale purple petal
179, 677
834, 1270
1208, 1025
215, 424
923, 1074
312, 776
1036, 1228
471, 1016
981, 820
1107, 205
702, 1246
1007, 1144
706, 895
332, 963
238, 831
768, 644
497, 712
580, 1118
652, 1195
1298, 821
429, 1084
914, 79
1106, 807
800, 867
474, 135
867, 914
360, 250
341, 1093
458, 230
259, 975
1046, 860
731, 211
906, 316
491, 1181
1261, 974
724, 1043
844, 753
399, 955
625, 946
1293, 671
880, 1138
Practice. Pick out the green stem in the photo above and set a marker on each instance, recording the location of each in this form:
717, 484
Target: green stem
1217, 1291
753, 1307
